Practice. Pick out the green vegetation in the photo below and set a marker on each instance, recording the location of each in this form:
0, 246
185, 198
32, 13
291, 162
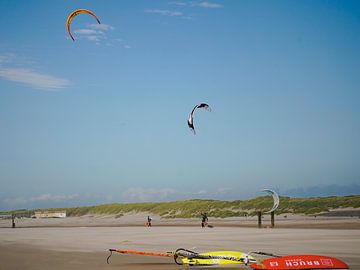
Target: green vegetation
215, 208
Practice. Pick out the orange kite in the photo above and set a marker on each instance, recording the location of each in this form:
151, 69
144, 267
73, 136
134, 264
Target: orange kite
75, 13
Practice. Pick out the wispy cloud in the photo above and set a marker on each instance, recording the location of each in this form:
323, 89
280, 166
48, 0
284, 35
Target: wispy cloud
103, 27
201, 192
122, 43
184, 5
33, 78
147, 194
138, 194
6, 58
202, 4
223, 191
94, 32
100, 34
324, 190
206, 4
86, 32
178, 3
165, 12
48, 200
43, 198
12, 69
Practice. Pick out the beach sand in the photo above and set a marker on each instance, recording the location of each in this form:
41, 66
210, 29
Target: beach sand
66, 247
139, 219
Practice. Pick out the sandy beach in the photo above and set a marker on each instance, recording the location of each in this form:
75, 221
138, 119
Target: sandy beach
75, 243
139, 219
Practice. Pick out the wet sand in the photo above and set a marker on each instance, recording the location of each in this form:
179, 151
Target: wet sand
86, 247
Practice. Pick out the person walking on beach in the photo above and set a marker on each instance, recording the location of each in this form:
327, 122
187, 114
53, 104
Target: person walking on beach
13, 220
148, 221
204, 220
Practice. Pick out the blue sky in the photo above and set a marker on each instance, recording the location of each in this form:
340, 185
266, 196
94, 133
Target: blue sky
103, 119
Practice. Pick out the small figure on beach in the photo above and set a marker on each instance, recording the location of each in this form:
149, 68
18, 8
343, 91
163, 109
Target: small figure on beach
13, 220
204, 220
148, 223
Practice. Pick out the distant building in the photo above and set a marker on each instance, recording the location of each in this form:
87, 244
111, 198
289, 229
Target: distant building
50, 214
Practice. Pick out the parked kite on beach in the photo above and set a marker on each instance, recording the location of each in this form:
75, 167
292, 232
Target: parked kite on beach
191, 116
187, 257
249, 260
75, 13
297, 262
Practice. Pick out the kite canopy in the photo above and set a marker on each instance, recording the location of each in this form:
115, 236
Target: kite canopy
275, 198
75, 13
190, 121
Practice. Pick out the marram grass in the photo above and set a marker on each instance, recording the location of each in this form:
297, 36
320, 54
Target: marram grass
216, 208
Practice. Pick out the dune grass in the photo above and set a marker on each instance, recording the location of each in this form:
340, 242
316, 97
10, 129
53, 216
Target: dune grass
222, 209
216, 208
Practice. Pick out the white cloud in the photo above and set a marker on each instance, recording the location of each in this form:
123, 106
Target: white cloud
94, 32
147, 194
223, 191
186, 5
16, 69
165, 12
122, 43
6, 58
131, 194
53, 198
33, 78
90, 34
93, 38
206, 4
47, 197
178, 3
104, 27
203, 4
86, 32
